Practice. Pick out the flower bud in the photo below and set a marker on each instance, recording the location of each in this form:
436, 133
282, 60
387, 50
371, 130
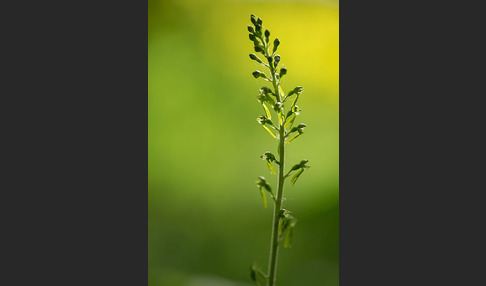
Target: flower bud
268, 156
267, 33
262, 183
296, 110
283, 71
265, 90
259, 21
258, 29
277, 60
253, 19
276, 42
259, 49
261, 119
250, 29
269, 59
258, 73
301, 127
255, 58
252, 37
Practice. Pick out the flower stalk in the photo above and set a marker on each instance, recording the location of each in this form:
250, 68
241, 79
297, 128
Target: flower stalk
283, 221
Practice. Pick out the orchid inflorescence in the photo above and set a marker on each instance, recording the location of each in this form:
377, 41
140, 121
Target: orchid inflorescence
281, 127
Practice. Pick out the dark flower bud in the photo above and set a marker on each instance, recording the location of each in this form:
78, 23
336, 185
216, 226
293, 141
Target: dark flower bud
297, 90
277, 60
259, 49
266, 90
267, 33
268, 156
252, 37
283, 71
276, 42
262, 183
300, 128
259, 21
258, 73
269, 59
253, 19
250, 29
261, 119
296, 110
255, 58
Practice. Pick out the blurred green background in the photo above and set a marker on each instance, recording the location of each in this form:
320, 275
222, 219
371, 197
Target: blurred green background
207, 223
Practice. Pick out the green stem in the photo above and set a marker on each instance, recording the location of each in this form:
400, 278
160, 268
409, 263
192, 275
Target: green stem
274, 246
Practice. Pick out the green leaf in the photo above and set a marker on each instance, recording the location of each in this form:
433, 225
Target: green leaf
296, 176
269, 116
263, 197
270, 167
271, 133
295, 101
288, 238
295, 136
280, 90
290, 121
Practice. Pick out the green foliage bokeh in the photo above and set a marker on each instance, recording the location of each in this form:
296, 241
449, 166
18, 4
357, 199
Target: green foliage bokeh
207, 223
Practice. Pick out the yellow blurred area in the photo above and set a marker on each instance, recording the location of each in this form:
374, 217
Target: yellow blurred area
308, 32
